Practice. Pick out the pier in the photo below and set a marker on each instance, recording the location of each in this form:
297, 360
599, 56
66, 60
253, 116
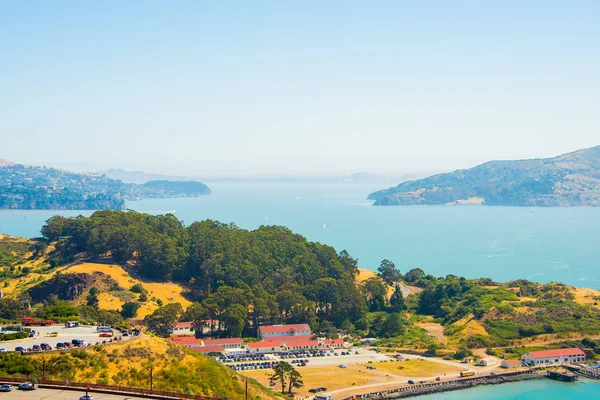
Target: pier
447, 386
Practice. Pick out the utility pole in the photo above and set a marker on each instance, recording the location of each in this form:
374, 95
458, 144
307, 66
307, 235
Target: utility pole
150, 369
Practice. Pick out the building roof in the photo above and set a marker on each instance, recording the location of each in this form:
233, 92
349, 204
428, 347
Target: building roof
283, 328
557, 353
333, 341
209, 349
289, 338
183, 325
512, 362
185, 340
307, 343
212, 342
263, 345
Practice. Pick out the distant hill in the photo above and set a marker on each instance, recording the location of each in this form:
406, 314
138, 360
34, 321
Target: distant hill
41, 188
140, 176
571, 179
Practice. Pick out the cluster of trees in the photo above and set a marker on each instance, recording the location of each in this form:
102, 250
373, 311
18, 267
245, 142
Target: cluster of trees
30, 188
244, 278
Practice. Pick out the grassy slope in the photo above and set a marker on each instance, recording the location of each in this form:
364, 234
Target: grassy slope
174, 368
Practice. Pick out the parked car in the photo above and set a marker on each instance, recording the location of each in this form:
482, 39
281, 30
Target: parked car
106, 334
78, 342
20, 348
36, 347
411, 382
342, 366
370, 367
27, 386
60, 345
46, 346
86, 397
5, 388
2, 350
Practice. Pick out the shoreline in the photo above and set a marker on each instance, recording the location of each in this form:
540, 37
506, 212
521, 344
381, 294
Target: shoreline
449, 386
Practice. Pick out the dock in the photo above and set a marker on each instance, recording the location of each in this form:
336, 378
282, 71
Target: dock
563, 376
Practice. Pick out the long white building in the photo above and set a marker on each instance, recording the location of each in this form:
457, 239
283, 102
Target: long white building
553, 357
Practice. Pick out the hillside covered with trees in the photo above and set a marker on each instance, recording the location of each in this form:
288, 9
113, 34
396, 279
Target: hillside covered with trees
41, 188
568, 180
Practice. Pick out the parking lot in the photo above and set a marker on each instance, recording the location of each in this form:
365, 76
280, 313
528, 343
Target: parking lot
299, 359
43, 335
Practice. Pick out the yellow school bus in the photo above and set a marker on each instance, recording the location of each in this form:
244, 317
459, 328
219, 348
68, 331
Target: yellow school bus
464, 374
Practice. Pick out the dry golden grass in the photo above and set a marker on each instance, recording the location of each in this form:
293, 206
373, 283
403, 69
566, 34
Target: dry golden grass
587, 297
167, 292
335, 378
414, 368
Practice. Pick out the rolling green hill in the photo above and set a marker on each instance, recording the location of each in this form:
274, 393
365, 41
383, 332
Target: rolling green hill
571, 179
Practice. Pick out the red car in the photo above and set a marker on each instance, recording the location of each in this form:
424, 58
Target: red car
106, 334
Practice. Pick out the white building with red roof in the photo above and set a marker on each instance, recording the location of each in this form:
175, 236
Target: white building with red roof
227, 343
269, 331
264, 347
333, 343
305, 345
553, 357
186, 341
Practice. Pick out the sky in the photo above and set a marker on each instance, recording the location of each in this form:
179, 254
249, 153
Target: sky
296, 87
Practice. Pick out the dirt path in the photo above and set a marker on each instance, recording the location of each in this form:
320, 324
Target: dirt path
435, 330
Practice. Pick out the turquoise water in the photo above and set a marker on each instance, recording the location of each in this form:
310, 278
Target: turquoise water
532, 390
545, 244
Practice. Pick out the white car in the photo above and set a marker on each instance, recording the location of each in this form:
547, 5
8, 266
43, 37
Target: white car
2, 350
86, 397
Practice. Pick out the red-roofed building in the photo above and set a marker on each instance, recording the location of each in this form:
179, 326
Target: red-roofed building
553, 357
333, 343
186, 341
305, 345
511, 363
288, 339
264, 347
209, 349
269, 331
227, 343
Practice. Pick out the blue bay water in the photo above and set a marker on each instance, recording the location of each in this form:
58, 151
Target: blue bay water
532, 390
504, 243
548, 244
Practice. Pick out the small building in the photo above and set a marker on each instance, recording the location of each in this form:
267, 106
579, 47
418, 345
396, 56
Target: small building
486, 362
468, 360
186, 341
182, 328
510, 363
264, 347
269, 331
333, 344
545, 358
227, 343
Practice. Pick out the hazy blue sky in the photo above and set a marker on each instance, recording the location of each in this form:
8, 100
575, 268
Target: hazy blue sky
224, 87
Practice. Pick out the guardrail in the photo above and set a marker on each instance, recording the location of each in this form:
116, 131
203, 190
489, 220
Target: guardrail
109, 389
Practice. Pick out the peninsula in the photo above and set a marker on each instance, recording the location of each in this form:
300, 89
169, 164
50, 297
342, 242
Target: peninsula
28, 187
571, 179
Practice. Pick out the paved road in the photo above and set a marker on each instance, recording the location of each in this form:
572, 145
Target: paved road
87, 333
56, 394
